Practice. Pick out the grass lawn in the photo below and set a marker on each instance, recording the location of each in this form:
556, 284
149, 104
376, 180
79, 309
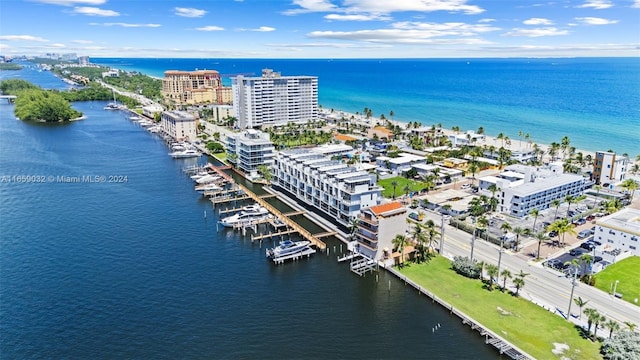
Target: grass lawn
626, 272
221, 156
415, 186
526, 325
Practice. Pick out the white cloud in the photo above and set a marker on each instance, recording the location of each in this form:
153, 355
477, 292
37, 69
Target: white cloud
72, 2
4, 46
636, 4
596, 4
595, 21
538, 32
260, 29
22, 38
384, 6
126, 25
357, 17
537, 21
82, 41
94, 11
58, 45
414, 33
486, 20
189, 12
210, 28
307, 6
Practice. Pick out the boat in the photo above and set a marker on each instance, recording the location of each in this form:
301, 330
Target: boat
289, 248
208, 179
199, 175
207, 187
189, 153
247, 214
114, 105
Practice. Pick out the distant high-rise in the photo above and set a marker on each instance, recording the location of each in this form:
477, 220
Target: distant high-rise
195, 87
273, 99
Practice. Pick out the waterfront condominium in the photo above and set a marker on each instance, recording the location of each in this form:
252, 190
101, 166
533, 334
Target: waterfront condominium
273, 99
195, 87
248, 150
331, 186
180, 125
522, 188
377, 226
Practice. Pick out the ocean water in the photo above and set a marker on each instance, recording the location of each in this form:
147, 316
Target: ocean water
593, 101
134, 270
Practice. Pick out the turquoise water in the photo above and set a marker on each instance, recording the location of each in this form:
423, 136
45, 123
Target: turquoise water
134, 270
593, 101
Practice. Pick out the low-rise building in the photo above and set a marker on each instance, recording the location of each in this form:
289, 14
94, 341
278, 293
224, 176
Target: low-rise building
400, 164
152, 110
331, 186
377, 227
380, 132
468, 138
620, 230
521, 188
609, 168
180, 125
248, 150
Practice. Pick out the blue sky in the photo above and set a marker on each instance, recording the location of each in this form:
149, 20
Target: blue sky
321, 28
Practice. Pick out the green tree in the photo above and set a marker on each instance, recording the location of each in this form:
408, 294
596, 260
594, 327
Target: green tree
612, 325
556, 204
492, 271
399, 243
630, 185
581, 303
506, 274
394, 183
535, 213
541, 237
265, 173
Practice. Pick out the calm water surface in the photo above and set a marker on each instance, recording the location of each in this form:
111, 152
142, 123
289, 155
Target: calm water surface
135, 270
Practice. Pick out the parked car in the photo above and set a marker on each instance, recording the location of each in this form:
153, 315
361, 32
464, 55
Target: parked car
553, 234
580, 221
465, 186
416, 216
584, 234
554, 263
575, 252
588, 246
591, 217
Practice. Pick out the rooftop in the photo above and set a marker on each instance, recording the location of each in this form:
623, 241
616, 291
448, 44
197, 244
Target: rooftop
627, 220
387, 209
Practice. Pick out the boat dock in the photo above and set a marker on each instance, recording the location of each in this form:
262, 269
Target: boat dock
296, 256
284, 218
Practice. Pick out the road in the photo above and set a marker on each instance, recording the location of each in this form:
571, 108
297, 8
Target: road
544, 286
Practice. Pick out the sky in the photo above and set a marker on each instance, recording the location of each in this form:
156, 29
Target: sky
321, 28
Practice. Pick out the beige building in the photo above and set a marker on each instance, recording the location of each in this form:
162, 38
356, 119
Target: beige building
181, 125
195, 87
377, 226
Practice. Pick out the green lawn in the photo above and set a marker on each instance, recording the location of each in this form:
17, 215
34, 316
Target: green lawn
627, 273
415, 186
526, 325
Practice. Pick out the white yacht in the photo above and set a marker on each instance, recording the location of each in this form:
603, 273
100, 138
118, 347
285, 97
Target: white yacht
206, 179
189, 153
288, 247
207, 187
247, 214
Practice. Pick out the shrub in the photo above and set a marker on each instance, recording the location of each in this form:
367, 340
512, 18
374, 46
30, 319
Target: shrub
465, 267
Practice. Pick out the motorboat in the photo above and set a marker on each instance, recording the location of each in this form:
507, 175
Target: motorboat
199, 175
189, 153
207, 179
247, 214
288, 247
207, 187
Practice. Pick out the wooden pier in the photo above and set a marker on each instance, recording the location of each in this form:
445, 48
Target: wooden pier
272, 235
292, 224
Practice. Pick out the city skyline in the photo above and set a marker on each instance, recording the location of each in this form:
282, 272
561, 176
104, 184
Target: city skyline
321, 28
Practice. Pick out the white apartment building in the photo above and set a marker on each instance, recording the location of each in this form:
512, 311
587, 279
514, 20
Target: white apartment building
609, 168
331, 186
377, 226
522, 188
400, 164
273, 99
248, 150
620, 230
180, 125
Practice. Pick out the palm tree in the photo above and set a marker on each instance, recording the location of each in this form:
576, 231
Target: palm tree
631, 186
613, 326
480, 265
500, 137
597, 322
518, 282
534, 212
506, 274
493, 188
406, 190
569, 199
629, 324
581, 303
592, 316
564, 144
519, 231
556, 204
399, 242
541, 237
595, 199
353, 228
562, 227
492, 271
394, 183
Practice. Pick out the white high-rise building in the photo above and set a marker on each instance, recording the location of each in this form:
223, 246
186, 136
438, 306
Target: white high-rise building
273, 99
248, 150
